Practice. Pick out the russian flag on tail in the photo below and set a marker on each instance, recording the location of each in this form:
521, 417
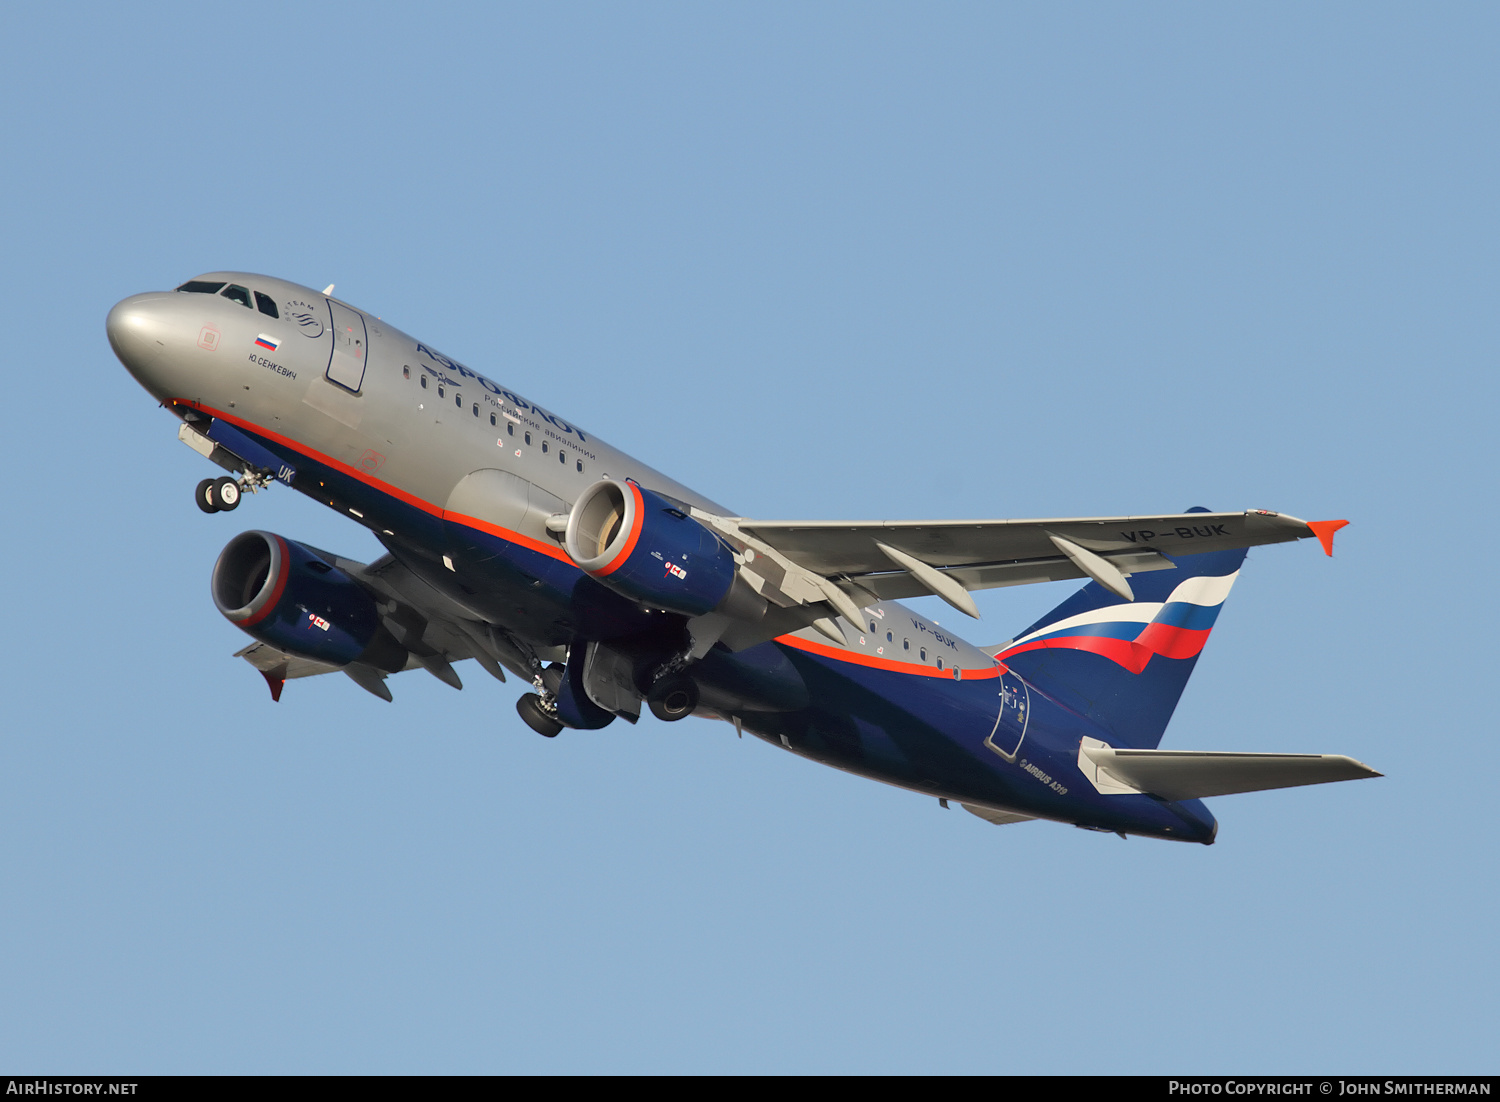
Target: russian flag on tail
1131, 634
1123, 664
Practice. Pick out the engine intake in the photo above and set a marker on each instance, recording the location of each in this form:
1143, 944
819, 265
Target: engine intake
288, 596
643, 545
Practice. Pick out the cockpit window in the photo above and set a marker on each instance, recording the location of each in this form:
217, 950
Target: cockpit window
266, 305
235, 293
201, 287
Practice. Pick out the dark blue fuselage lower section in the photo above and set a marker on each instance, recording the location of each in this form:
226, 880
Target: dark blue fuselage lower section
927, 734
932, 735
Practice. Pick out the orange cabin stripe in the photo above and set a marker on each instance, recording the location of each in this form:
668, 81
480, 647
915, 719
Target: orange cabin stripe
836, 653
915, 668
386, 487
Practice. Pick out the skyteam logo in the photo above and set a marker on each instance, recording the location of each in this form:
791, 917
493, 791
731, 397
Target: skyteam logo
305, 315
1131, 634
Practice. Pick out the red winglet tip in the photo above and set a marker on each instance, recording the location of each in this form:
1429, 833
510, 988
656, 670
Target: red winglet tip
1324, 530
276, 684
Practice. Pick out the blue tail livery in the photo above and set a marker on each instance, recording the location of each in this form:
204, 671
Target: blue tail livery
1123, 664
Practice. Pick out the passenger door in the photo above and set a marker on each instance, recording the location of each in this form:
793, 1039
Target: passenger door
347, 361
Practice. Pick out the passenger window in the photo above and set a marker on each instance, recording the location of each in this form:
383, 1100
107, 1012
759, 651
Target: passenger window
406, 372
424, 382
940, 663
580, 466
924, 654
562, 457
200, 287
510, 428
872, 627
476, 409
235, 293
889, 638
492, 418
544, 447
458, 402
528, 439
906, 644
440, 390
266, 305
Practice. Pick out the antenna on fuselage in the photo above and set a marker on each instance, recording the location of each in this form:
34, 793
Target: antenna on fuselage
328, 290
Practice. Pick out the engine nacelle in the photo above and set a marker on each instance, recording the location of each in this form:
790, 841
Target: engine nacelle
642, 545
288, 596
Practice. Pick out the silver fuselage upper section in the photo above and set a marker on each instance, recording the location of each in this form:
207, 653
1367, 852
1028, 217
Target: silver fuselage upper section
378, 400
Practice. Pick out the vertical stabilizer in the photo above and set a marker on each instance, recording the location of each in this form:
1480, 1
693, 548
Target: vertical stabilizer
1124, 663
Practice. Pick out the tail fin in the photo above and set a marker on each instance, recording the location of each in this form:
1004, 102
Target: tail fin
1124, 664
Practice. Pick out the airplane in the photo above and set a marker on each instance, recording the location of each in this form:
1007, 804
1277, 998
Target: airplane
518, 539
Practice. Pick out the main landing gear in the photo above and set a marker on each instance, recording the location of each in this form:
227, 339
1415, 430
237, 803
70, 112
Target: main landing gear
217, 495
671, 698
539, 709
537, 717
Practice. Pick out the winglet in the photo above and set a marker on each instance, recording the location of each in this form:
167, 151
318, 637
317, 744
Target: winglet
276, 684
1324, 530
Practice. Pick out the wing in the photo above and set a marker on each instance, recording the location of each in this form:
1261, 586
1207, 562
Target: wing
435, 631
809, 569
834, 547
989, 553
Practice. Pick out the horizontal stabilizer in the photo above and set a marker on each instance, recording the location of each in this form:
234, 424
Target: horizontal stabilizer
1194, 774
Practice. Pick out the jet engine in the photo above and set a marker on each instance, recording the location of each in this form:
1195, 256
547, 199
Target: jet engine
643, 545
288, 596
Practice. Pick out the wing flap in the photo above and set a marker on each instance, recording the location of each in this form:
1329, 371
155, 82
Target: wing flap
280, 665
896, 585
1195, 774
995, 816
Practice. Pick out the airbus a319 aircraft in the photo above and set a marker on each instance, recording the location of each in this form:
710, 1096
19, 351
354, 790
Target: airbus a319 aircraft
519, 540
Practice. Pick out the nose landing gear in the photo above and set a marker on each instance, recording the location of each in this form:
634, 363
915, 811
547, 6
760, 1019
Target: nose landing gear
217, 495
222, 495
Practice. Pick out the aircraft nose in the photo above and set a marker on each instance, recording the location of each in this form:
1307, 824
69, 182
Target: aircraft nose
137, 332
129, 325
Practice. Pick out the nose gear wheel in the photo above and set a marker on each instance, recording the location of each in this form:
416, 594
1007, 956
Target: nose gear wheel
217, 495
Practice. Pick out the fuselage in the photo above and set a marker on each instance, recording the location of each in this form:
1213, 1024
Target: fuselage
458, 476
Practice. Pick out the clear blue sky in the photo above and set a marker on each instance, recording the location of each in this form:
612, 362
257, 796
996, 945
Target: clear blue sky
850, 260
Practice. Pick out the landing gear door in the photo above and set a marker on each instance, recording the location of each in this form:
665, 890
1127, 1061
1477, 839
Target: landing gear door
1010, 725
346, 364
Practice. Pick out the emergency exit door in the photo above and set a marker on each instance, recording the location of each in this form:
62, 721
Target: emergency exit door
1010, 724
